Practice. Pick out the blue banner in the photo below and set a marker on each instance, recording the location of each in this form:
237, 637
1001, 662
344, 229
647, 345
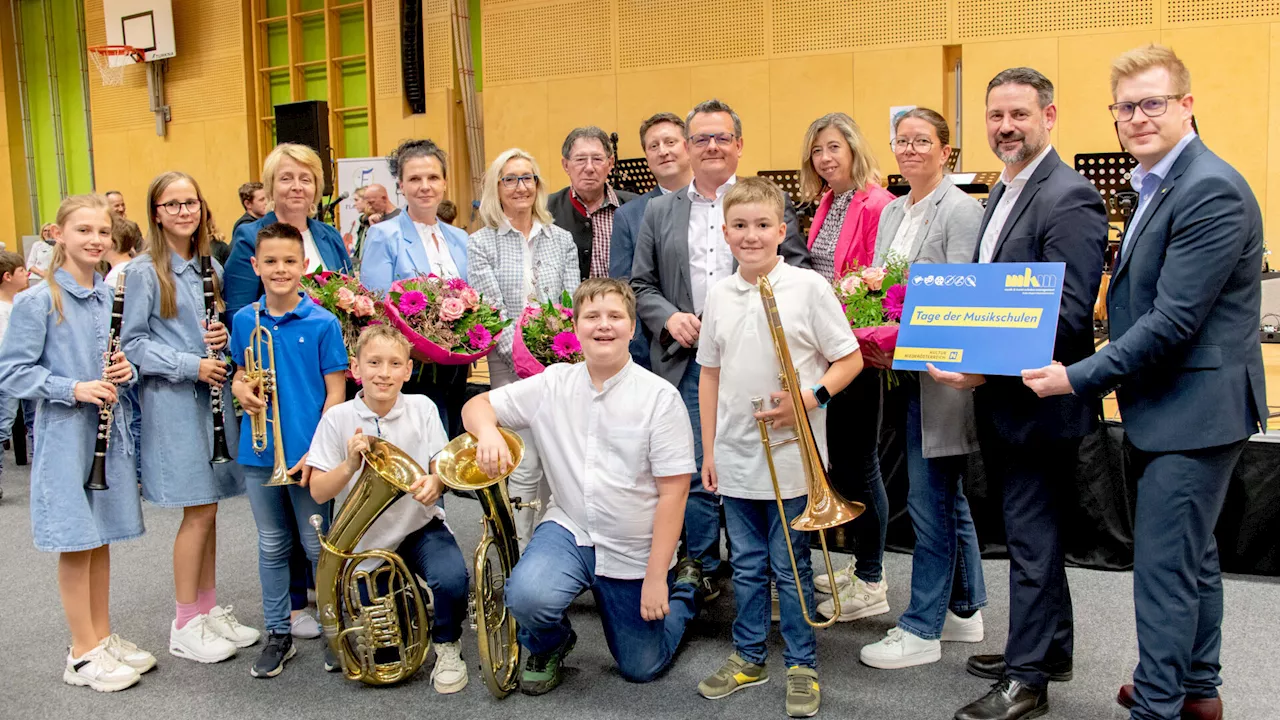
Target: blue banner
985, 318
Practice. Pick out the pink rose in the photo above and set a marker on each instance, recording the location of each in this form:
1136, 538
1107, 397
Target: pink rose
346, 299
451, 309
873, 277
363, 306
470, 297
850, 283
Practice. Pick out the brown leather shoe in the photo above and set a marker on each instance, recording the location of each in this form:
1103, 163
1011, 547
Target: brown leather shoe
1192, 708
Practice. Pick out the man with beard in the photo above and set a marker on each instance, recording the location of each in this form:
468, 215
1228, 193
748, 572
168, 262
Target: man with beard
1040, 211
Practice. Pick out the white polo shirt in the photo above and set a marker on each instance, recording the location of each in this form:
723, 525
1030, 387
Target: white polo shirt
600, 451
735, 337
413, 425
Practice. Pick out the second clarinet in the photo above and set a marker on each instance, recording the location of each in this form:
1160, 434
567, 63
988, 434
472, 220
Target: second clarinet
97, 479
220, 452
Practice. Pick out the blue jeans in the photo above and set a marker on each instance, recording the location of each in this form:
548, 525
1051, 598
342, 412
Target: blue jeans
554, 570
8, 414
278, 511
702, 509
853, 449
946, 566
432, 553
757, 545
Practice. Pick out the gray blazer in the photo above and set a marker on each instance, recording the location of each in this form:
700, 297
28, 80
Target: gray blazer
948, 234
660, 274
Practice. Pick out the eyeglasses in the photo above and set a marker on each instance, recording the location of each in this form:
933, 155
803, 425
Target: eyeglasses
702, 140
921, 145
173, 207
511, 182
1151, 107
585, 160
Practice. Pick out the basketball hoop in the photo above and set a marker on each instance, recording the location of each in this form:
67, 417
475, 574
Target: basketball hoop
103, 55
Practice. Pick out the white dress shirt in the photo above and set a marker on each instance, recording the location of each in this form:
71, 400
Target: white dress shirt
311, 253
601, 451
999, 216
710, 260
507, 227
913, 216
437, 250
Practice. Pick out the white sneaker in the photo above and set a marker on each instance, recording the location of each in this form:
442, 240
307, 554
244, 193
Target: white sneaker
99, 670
901, 649
199, 641
227, 626
958, 629
129, 654
858, 601
305, 626
450, 672
844, 576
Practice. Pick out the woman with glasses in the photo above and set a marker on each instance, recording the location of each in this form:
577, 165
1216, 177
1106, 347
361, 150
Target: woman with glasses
291, 175
519, 257
837, 166
935, 223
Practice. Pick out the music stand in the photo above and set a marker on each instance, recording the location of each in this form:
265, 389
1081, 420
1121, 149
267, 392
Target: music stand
634, 176
1110, 172
789, 181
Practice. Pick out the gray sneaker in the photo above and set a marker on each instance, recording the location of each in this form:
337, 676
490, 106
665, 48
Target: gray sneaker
734, 675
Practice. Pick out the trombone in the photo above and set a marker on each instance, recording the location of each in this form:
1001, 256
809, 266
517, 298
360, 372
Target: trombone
263, 381
825, 509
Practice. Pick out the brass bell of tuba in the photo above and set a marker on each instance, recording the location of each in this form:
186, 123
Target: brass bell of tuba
825, 509
375, 619
496, 554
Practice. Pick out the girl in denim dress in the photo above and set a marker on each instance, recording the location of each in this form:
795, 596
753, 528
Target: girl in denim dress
54, 353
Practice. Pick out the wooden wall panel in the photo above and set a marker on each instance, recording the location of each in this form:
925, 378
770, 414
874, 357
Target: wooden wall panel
572, 103
1084, 90
745, 87
644, 93
516, 116
801, 90
875, 91
1270, 201
982, 61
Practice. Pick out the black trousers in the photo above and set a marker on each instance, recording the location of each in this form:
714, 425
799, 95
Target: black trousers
1038, 480
446, 385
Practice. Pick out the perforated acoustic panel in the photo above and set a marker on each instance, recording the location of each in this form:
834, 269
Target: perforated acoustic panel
437, 8
386, 47
684, 31
1002, 18
439, 52
809, 25
562, 37
1188, 11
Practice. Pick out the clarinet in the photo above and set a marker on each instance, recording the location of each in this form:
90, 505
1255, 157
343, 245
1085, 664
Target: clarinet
220, 453
97, 479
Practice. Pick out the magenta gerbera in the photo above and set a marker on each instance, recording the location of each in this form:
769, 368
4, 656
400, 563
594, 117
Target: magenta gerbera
458, 284
566, 345
892, 303
479, 337
412, 303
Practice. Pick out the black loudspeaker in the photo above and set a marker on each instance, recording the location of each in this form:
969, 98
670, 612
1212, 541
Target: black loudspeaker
412, 65
307, 123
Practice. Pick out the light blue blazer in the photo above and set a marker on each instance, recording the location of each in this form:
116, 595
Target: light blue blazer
394, 251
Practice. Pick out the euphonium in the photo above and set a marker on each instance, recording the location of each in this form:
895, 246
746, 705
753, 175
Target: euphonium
263, 379
496, 554
825, 509
375, 619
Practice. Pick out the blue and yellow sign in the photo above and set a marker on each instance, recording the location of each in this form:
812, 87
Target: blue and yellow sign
991, 318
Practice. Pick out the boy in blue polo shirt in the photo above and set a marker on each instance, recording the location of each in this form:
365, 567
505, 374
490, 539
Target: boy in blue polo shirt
310, 363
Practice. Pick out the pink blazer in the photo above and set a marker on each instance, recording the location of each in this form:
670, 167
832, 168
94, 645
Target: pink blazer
857, 244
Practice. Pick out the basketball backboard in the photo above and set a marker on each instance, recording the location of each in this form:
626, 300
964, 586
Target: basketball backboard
144, 24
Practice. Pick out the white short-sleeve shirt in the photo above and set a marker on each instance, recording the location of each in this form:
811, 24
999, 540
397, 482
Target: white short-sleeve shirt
735, 337
601, 451
413, 425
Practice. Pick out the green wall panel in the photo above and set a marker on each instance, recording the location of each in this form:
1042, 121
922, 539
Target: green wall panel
314, 83
277, 44
351, 32
355, 132
312, 38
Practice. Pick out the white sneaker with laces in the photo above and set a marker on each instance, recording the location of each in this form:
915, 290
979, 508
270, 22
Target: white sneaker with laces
901, 649
99, 670
305, 626
450, 672
958, 629
228, 627
199, 641
129, 654
844, 576
859, 600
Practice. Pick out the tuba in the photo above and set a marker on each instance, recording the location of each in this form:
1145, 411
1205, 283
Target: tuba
375, 619
825, 509
264, 380
496, 554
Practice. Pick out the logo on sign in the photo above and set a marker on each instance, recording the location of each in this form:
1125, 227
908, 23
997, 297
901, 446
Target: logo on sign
945, 280
1027, 280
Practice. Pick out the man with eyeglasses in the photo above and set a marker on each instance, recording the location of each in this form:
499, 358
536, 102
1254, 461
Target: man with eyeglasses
586, 208
1184, 308
1041, 211
680, 254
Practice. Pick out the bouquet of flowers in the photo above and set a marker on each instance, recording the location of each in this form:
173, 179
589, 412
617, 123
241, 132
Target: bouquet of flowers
872, 300
446, 321
355, 306
545, 336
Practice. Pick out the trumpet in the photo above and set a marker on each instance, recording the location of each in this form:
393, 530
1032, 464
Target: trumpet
263, 381
825, 509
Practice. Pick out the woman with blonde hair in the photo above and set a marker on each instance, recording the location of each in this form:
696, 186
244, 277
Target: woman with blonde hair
291, 175
519, 257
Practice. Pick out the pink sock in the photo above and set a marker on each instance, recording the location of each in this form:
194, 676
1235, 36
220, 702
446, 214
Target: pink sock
187, 611
205, 600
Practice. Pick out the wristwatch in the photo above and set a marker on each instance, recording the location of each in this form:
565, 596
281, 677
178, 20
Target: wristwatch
821, 395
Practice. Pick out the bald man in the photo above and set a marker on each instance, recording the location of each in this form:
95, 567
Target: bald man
379, 204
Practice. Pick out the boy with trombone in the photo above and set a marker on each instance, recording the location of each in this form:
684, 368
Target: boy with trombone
819, 356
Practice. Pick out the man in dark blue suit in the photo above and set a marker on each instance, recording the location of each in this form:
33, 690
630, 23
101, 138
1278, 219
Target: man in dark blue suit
1040, 211
1186, 365
662, 137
